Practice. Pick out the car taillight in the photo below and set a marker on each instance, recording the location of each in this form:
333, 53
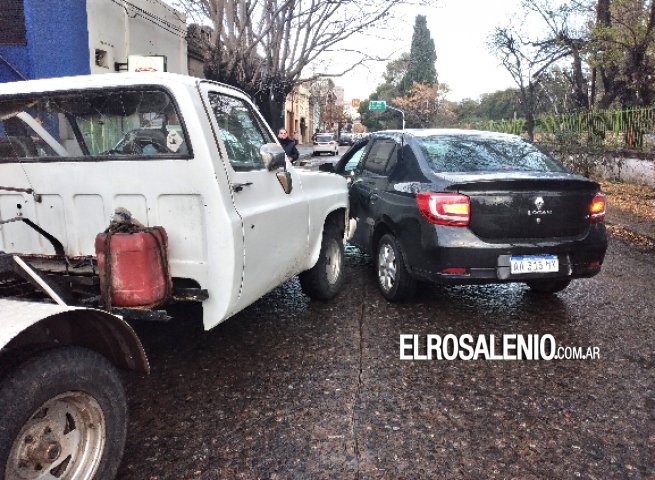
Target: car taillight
315, 143
597, 208
331, 143
445, 208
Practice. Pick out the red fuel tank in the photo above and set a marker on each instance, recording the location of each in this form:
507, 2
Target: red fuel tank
138, 267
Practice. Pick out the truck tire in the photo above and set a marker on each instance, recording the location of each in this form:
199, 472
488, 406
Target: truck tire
395, 282
64, 413
324, 280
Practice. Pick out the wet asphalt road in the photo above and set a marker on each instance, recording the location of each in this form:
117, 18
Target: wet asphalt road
296, 389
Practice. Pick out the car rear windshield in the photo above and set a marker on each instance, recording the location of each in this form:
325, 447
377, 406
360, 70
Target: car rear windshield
468, 153
324, 138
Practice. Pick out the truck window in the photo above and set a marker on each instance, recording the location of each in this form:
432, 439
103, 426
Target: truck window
241, 131
110, 123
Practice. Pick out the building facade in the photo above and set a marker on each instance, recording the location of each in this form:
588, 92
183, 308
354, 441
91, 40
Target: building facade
298, 121
75, 37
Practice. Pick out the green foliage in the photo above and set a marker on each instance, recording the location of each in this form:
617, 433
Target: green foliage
497, 106
371, 119
422, 58
500, 105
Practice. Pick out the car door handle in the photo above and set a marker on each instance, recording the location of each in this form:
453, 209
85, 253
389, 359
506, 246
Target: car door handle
237, 187
372, 197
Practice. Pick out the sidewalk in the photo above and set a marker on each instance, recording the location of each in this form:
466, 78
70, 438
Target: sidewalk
631, 213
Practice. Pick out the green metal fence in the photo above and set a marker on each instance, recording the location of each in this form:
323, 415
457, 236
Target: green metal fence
630, 129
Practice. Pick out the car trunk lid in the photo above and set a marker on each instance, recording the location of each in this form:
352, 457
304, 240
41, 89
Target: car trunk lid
524, 206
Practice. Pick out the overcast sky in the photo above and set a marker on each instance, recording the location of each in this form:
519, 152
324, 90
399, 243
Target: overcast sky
460, 29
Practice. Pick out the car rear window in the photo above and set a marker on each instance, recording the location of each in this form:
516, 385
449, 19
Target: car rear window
462, 153
324, 138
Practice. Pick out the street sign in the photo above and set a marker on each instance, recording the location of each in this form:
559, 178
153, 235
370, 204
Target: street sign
377, 105
355, 102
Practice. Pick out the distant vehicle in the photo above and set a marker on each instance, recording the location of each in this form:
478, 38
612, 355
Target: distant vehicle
462, 206
346, 138
325, 143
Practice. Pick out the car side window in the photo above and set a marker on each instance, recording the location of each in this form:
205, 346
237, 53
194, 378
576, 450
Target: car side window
354, 161
240, 130
379, 155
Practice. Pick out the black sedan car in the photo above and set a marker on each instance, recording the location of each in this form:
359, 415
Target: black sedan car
463, 206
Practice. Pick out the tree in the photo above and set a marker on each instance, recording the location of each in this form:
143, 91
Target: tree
425, 106
565, 31
527, 62
500, 105
422, 57
393, 77
622, 50
262, 46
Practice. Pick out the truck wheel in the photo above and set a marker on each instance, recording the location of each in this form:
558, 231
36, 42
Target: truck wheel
323, 281
64, 416
394, 280
549, 286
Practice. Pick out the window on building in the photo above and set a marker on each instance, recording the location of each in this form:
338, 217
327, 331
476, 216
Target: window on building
12, 23
101, 58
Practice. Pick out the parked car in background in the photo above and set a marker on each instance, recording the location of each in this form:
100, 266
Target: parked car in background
346, 138
462, 206
325, 143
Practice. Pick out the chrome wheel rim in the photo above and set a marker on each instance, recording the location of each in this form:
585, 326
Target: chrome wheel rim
63, 439
386, 267
333, 262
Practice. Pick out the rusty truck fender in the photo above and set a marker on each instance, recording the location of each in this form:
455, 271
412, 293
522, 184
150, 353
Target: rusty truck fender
25, 323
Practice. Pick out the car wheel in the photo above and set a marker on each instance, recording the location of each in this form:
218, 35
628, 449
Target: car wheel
549, 285
394, 280
324, 280
64, 416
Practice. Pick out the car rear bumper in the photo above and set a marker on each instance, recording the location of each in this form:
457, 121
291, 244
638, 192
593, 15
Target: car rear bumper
484, 262
326, 149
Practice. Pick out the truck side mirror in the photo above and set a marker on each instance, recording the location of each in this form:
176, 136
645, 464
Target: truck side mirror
273, 156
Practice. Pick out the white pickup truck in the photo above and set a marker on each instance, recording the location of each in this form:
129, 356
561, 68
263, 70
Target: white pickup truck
191, 156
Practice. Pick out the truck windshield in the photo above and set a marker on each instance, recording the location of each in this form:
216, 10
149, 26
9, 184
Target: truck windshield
108, 123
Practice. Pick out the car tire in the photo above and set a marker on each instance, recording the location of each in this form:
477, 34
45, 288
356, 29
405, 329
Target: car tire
548, 285
395, 282
324, 280
48, 397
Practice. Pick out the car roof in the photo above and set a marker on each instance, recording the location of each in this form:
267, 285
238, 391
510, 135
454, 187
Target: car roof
450, 132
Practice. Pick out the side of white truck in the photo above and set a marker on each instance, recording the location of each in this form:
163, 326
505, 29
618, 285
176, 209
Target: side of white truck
192, 156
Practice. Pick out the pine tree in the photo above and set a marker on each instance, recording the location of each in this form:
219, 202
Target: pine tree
422, 58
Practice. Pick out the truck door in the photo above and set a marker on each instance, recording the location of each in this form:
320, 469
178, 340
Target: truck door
275, 224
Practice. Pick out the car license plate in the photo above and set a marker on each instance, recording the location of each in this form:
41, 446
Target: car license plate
534, 264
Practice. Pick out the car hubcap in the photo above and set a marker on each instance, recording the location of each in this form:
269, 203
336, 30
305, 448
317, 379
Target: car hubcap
333, 262
64, 439
386, 267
